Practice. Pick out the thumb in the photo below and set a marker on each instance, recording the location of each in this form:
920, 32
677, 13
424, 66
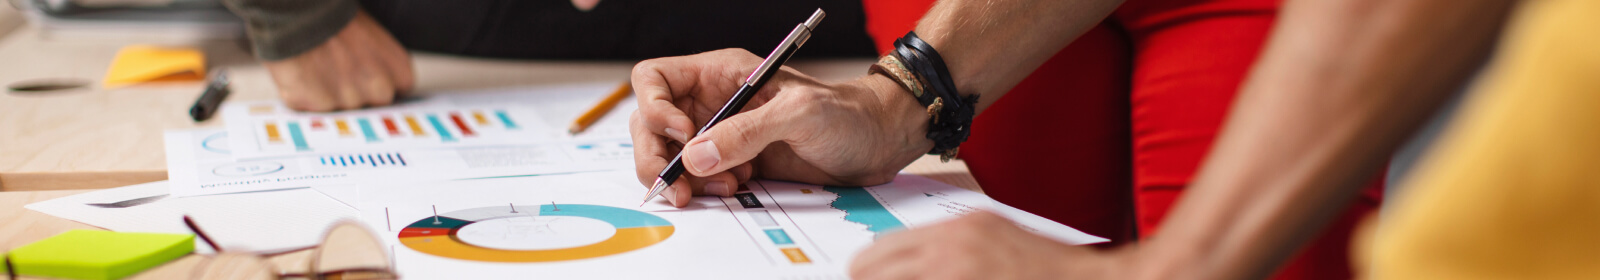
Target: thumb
732, 142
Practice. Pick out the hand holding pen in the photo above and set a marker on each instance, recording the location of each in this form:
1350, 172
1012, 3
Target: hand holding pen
858, 132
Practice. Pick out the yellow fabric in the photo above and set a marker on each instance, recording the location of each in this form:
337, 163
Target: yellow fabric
143, 63
1513, 189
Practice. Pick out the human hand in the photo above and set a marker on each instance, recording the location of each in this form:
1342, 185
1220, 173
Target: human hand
360, 66
981, 245
796, 128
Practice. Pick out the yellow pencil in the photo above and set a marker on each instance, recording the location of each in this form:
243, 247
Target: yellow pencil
600, 109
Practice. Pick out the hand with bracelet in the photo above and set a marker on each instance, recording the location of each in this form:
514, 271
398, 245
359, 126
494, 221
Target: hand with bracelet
1252, 205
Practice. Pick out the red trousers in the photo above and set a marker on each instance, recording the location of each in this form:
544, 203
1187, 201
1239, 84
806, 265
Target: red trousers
1106, 135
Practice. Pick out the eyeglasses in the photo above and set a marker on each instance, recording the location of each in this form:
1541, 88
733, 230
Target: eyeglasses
348, 252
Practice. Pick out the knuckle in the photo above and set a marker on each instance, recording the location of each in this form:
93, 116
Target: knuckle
743, 132
647, 67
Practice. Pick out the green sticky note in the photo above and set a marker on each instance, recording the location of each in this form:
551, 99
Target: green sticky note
98, 254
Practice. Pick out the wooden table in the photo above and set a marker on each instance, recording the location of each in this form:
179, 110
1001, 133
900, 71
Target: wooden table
92, 138
63, 143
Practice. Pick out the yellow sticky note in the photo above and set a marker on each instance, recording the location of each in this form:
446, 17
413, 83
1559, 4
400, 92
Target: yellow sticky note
144, 63
98, 254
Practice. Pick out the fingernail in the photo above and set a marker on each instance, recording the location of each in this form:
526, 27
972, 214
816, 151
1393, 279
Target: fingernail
717, 189
703, 156
671, 194
677, 135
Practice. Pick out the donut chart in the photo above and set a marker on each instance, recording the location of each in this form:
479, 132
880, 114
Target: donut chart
440, 235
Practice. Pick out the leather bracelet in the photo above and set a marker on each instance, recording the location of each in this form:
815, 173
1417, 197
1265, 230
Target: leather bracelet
916, 66
891, 66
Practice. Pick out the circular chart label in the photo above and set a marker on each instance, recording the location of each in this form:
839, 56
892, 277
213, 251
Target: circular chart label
248, 169
543, 233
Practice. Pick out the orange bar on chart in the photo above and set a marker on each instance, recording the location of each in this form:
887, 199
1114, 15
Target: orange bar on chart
344, 128
478, 115
795, 256
272, 133
416, 128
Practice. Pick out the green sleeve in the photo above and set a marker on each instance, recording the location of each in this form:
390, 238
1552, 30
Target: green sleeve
280, 29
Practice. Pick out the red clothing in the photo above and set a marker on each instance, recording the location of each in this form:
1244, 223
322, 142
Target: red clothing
1105, 136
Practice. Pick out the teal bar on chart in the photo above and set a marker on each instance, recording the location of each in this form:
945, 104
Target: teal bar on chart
366, 129
444, 134
298, 137
505, 119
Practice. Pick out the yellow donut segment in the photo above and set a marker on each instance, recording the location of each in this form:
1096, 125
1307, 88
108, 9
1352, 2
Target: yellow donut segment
626, 239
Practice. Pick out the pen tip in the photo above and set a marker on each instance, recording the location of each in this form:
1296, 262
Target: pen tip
653, 191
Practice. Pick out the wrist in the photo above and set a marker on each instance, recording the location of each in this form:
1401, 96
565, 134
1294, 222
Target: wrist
899, 116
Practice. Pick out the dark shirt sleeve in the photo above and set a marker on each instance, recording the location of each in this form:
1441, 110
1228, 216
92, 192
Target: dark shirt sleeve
280, 29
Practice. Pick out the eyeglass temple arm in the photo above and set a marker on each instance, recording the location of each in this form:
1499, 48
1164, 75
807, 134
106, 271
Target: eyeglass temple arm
202, 234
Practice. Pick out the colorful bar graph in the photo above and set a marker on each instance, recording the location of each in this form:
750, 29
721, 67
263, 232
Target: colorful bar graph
272, 133
465, 131
397, 158
444, 134
357, 160
299, 138
366, 129
504, 118
344, 128
478, 115
416, 129
388, 124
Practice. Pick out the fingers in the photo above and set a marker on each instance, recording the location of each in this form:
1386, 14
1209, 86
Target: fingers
883, 259
661, 114
585, 5
651, 153
735, 141
359, 66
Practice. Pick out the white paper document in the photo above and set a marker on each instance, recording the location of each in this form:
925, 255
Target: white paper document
508, 116
200, 162
590, 226
256, 222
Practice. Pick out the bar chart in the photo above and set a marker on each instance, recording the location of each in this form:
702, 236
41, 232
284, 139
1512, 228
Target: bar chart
284, 133
358, 160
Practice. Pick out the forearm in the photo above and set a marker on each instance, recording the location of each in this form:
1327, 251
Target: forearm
1340, 85
990, 46
280, 29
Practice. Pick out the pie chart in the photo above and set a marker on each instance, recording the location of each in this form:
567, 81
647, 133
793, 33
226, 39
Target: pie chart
528, 233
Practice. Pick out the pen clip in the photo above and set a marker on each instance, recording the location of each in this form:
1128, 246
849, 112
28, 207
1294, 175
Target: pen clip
796, 38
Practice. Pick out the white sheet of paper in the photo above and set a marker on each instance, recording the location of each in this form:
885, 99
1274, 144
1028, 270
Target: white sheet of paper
253, 222
515, 226
505, 116
199, 162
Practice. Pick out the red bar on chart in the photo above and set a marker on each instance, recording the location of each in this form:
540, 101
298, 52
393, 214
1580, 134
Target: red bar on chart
456, 117
316, 124
388, 123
